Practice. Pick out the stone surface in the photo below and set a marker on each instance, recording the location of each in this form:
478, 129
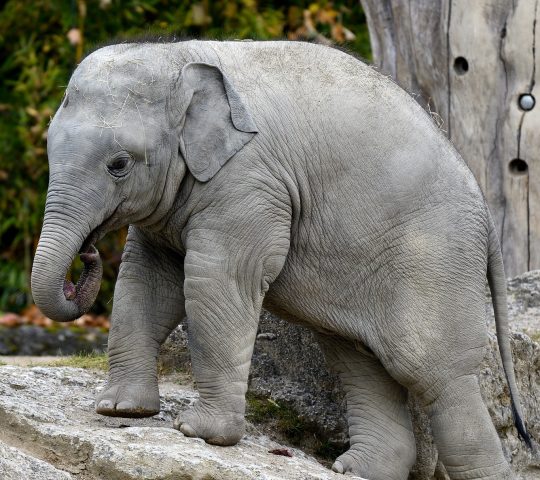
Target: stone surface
16, 465
288, 366
47, 418
523, 304
27, 360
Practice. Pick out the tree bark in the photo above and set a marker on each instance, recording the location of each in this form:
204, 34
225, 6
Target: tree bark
470, 63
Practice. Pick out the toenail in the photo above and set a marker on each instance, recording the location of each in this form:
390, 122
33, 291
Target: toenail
187, 430
337, 467
125, 405
106, 405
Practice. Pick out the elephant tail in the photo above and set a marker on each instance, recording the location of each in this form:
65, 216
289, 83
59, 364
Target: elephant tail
497, 284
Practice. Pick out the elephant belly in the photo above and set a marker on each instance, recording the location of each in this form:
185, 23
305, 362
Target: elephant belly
329, 299
357, 274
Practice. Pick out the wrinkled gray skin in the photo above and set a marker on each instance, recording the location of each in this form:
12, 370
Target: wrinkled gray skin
348, 212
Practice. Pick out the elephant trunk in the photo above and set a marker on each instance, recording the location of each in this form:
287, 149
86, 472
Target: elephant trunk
62, 238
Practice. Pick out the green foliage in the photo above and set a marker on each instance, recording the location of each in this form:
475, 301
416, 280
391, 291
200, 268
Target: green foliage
37, 58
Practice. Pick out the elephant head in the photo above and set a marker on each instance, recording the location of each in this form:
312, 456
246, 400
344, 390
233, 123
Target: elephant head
129, 128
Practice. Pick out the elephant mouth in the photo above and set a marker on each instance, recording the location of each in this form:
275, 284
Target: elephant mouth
89, 255
95, 235
98, 233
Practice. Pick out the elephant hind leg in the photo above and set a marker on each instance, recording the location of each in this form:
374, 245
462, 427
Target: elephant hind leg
382, 445
435, 349
464, 433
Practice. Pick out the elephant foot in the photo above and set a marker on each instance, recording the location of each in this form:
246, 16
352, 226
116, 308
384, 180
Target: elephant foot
356, 461
348, 463
222, 429
132, 401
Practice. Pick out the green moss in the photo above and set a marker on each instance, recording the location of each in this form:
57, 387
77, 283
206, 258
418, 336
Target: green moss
93, 361
289, 426
535, 337
99, 361
167, 367
261, 409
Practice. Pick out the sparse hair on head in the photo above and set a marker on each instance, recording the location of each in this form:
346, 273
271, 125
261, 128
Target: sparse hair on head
142, 38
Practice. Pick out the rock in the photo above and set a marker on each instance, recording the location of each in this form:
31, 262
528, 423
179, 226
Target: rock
48, 422
174, 354
16, 465
523, 304
266, 336
291, 368
526, 354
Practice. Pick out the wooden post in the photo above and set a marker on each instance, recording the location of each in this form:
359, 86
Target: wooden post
471, 62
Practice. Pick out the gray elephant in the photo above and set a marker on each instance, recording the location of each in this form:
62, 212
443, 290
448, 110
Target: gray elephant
290, 175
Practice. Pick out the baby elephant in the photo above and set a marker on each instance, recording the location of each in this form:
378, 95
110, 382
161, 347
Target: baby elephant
288, 175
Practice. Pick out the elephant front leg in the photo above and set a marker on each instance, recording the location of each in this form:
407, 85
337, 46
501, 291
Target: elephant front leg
223, 302
148, 305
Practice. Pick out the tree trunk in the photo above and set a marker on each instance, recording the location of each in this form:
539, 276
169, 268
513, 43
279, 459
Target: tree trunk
470, 63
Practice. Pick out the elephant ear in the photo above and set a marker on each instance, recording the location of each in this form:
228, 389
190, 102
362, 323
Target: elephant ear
216, 125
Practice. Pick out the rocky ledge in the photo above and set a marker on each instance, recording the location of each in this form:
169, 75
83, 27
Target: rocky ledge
49, 431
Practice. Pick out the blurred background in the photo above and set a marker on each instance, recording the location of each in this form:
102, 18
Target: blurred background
41, 43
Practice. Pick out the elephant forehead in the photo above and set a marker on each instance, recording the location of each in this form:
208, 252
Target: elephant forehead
132, 118
118, 83
122, 114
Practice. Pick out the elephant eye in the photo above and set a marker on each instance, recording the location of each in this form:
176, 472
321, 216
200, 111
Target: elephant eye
120, 164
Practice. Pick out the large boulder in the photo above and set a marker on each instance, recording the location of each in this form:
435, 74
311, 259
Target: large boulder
49, 431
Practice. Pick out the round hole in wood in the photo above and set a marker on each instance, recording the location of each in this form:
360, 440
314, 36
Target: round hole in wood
518, 167
461, 65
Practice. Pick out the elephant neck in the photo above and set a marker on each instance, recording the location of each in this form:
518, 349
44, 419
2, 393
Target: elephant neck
171, 225
157, 219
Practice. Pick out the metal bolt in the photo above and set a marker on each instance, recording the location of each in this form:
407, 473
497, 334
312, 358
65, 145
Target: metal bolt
526, 101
